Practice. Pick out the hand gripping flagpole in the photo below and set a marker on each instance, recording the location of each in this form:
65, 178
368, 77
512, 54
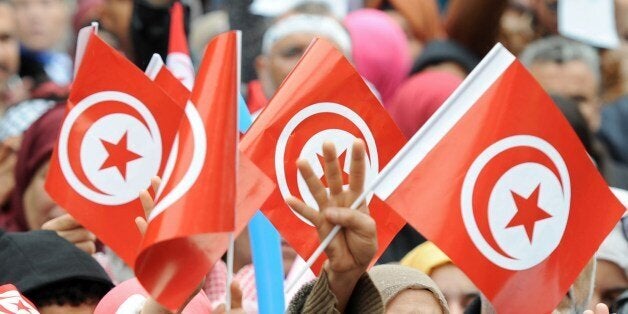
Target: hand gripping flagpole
425, 134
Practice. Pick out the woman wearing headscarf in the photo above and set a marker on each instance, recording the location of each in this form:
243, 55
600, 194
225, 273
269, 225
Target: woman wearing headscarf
419, 97
403, 289
31, 206
380, 50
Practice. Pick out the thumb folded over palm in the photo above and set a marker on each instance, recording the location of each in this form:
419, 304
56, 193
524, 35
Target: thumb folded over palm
353, 248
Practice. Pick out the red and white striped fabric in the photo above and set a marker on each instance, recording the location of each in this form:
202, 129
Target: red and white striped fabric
13, 302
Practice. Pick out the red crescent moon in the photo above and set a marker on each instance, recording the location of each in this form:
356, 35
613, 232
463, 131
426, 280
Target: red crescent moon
303, 132
491, 173
83, 123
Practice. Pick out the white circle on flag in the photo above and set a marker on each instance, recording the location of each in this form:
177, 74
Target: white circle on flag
181, 67
529, 181
93, 155
141, 180
313, 152
343, 140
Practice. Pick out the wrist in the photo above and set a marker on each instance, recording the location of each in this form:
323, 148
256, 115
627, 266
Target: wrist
342, 284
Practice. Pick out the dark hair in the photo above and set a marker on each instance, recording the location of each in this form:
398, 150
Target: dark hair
73, 292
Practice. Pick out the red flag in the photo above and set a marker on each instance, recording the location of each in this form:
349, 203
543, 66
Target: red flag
116, 136
323, 99
178, 59
500, 182
11, 301
189, 228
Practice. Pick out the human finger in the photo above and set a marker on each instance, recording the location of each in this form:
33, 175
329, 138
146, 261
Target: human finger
236, 295
63, 222
303, 210
333, 173
147, 202
601, 308
141, 224
357, 174
155, 182
314, 184
88, 247
77, 235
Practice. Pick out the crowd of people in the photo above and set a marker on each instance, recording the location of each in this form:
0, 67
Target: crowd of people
412, 53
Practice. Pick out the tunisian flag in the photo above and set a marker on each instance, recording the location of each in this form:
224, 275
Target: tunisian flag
500, 182
178, 59
189, 227
117, 134
323, 99
12, 301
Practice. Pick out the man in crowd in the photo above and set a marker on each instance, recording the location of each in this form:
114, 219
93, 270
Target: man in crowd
283, 45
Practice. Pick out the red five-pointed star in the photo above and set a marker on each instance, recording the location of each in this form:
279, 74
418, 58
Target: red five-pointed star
528, 212
119, 155
341, 159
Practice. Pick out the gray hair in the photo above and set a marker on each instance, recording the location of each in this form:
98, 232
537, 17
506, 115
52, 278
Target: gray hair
559, 49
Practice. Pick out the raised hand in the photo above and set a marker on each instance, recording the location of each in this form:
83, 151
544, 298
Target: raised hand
353, 248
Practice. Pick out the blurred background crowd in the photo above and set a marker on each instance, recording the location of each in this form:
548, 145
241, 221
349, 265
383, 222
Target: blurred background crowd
412, 53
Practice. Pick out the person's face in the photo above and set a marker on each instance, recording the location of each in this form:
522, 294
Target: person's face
610, 282
9, 46
573, 80
116, 18
67, 309
414, 301
273, 68
41, 23
516, 29
459, 291
38, 206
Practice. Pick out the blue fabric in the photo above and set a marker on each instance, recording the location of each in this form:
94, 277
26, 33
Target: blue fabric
265, 246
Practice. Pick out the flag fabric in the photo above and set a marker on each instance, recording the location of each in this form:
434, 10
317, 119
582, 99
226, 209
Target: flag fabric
13, 302
178, 59
195, 209
322, 99
499, 181
117, 133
